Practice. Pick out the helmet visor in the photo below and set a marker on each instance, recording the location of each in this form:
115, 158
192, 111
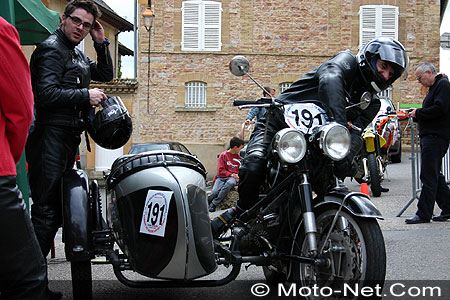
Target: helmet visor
395, 55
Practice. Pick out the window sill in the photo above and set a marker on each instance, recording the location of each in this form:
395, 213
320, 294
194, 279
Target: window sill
195, 109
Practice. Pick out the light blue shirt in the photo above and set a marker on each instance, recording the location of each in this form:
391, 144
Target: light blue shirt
257, 112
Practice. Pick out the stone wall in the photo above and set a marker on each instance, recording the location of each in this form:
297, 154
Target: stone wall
282, 39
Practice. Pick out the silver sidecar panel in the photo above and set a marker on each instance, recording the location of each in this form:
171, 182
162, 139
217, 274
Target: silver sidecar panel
186, 250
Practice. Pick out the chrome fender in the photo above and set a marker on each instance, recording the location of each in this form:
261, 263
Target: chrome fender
77, 216
358, 204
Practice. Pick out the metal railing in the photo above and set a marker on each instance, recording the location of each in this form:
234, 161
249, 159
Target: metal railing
446, 166
416, 184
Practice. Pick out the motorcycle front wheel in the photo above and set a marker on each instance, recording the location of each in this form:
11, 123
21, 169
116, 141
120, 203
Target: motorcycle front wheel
375, 178
354, 250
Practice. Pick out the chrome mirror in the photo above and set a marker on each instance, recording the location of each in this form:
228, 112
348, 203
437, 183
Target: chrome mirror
366, 98
239, 65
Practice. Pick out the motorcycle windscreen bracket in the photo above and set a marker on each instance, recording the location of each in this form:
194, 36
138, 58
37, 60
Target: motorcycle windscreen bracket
154, 215
304, 116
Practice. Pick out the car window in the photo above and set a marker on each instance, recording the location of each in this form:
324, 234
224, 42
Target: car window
136, 149
176, 147
184, 149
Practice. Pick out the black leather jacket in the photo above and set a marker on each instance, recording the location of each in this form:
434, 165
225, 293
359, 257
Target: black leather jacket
60, 76
337, 83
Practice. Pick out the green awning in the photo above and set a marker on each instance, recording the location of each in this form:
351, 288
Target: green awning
32, 19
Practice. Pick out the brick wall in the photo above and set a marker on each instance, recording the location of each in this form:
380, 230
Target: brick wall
282, 39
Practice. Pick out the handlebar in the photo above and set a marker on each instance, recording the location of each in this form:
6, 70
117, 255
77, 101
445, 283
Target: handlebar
238, 102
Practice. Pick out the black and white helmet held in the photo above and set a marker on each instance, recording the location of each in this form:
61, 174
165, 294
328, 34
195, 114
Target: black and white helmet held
112, 127
387, 49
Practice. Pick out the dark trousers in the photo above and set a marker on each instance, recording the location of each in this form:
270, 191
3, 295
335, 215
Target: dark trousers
434, 187
51, 151
253, 170
23, 272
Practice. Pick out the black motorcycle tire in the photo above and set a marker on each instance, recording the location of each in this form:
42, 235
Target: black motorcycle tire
362, 236
81, 280
375, 178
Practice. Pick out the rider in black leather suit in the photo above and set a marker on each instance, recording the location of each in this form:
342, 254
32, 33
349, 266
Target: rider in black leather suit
337, 83
60, 75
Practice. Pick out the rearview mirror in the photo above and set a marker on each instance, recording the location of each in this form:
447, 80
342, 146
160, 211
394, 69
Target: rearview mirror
239, 65
366, 98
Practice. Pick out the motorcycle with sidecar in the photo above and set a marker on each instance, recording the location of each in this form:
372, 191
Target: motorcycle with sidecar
305, 229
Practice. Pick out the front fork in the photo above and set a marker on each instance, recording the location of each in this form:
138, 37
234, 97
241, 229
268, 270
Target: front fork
366, 169
309, 219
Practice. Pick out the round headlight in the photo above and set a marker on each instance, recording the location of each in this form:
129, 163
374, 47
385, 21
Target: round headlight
290, 145
335, 141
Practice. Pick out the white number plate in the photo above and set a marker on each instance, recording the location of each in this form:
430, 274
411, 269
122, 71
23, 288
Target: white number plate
304, 116
154, 216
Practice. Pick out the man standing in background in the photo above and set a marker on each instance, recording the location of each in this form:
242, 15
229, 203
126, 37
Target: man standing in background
434, 132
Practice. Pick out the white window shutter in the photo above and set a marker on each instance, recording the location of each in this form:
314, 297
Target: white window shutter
368, 24
389, 21
191, 24
377, 20
212, 25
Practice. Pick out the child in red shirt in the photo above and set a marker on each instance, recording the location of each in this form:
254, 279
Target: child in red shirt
227, 173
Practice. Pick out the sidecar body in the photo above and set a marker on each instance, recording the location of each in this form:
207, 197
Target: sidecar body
157, 210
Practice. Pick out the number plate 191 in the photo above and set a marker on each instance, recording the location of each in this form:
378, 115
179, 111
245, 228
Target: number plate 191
304, 116
154, 216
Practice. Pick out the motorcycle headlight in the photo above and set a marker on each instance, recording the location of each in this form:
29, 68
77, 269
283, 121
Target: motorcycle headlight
335, 141
290, 145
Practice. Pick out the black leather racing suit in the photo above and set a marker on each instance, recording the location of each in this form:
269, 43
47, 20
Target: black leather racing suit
335, 83
60, 76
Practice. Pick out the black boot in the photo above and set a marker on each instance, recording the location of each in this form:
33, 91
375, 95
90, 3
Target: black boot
219, 223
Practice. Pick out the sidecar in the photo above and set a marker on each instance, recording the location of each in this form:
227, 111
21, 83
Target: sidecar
156, 213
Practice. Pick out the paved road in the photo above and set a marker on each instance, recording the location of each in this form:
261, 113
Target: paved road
414, 252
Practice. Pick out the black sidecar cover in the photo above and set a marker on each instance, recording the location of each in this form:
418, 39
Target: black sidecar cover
159, 216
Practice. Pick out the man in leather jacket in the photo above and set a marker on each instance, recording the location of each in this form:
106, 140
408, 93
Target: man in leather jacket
339, 82
60, 75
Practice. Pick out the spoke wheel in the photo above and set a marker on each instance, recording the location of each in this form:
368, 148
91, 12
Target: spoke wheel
355, 253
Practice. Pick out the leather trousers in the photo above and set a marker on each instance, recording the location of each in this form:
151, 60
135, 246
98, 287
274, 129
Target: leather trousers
51, 151
23, 271
253, 170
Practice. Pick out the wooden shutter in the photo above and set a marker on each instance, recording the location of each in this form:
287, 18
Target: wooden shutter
377, 20
191, 25
389, 21
212, 25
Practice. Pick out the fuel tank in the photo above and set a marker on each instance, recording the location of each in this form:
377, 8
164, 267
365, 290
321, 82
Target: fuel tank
158, 211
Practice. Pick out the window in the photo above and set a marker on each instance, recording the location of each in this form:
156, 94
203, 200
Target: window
377, 20
195, 94
284, 86
386, 93
201, 29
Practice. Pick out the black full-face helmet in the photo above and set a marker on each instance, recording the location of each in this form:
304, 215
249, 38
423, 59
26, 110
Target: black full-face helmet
388, 50
111, 127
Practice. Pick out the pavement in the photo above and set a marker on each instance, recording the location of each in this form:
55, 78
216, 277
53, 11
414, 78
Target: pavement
414, 252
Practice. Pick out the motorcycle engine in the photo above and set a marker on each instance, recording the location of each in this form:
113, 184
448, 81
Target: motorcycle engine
253, 242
